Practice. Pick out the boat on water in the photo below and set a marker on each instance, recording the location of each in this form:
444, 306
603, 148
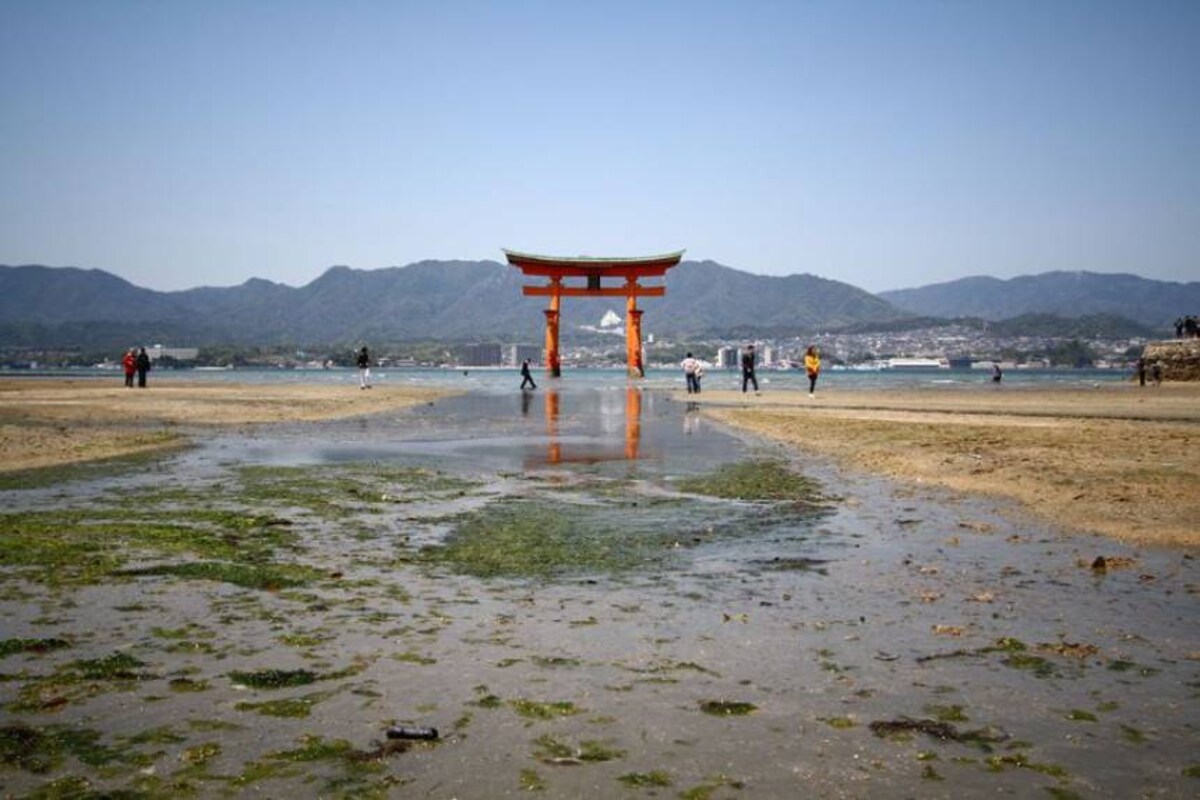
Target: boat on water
918, 363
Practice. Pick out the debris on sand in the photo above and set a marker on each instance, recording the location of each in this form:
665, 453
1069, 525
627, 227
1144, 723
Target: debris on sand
1105, 563
1079, 650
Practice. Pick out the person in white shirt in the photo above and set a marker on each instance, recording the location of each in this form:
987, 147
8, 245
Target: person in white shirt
691, 371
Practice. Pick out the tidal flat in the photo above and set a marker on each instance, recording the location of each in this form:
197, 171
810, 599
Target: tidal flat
587, 592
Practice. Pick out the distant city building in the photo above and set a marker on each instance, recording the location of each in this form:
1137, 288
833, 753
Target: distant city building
515, 354
727, 357
768, 355
484, 354
178, 353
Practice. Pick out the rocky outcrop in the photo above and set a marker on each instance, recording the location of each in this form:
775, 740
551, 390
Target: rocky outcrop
1180, 358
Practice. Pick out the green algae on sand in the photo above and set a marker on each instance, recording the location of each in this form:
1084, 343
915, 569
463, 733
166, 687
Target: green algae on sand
10, 647
267, 577
727, 708
527, 539
758, 480
40, 750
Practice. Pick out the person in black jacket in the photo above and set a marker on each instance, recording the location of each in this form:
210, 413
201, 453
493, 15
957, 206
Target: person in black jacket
143, 366
526, 376
364, 368
748, 369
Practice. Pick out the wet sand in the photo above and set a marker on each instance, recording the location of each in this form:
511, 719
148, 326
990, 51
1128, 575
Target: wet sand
46, 423
1120, 460
752, 649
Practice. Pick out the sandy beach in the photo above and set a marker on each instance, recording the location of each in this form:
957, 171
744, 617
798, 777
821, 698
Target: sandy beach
1117, 460
46, 423
589, 591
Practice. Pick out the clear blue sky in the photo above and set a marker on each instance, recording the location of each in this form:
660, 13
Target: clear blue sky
885, 144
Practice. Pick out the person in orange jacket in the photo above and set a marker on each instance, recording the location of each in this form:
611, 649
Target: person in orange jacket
812, 365
129, 362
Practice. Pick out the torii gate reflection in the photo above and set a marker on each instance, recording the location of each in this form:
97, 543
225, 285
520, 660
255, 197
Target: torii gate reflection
555, 453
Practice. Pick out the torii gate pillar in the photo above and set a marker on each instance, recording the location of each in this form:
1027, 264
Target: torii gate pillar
553, 365
594, 269
633, 341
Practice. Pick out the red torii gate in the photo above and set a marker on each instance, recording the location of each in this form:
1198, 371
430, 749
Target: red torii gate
593, 269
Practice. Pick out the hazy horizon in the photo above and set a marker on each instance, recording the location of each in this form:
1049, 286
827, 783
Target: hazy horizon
882, 145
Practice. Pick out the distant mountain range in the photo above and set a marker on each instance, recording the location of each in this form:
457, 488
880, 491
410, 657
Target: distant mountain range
482, 300
1063, 294
430, 300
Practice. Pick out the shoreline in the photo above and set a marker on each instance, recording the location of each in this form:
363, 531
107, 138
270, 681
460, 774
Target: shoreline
1120, 460
53, 423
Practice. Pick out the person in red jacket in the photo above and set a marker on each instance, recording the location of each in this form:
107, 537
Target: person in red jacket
129, 362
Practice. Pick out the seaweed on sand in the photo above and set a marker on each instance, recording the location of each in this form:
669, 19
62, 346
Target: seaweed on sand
267, 577
333, 492
40, 750
84, 546
945, 731
761, 480
727, 708
526, 539
9, 647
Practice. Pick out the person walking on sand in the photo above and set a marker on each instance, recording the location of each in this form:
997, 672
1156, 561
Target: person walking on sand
142, 363
997, 373
812, 365
748, 369
364, 368
690, 367
1156, 373
526, 376
129, 363
1141, 371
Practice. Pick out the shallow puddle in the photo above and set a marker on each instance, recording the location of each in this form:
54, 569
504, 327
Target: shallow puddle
550, 580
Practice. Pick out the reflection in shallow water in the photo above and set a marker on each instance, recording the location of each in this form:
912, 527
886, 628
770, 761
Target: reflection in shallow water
633, 421
628, 429
587, 452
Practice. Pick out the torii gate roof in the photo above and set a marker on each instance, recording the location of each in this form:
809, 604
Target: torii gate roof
533, 264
